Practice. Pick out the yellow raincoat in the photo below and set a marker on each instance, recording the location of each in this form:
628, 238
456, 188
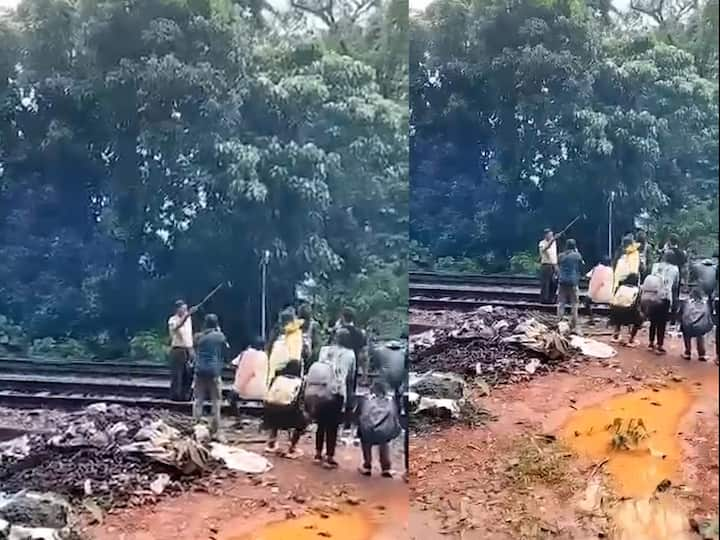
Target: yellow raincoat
288, 346
628, 263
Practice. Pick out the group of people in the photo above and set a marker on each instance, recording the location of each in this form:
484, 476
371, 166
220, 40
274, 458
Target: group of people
300, 379
636, 289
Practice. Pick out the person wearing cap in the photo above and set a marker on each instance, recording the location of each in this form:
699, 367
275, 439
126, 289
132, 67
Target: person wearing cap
548, 266
181, 350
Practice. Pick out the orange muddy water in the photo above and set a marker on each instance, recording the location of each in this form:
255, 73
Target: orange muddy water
354, 526
635, 471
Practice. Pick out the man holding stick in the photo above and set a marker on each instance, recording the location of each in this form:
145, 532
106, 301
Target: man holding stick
548, 267
181, 350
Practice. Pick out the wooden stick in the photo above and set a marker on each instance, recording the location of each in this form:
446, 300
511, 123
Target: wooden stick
209, 296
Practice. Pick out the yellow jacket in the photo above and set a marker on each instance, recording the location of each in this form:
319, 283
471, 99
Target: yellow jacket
628, 263
288, 346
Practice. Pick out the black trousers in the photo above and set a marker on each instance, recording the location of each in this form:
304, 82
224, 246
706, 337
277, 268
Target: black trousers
658, 315
699, 343
548, 286
180, 376
329, 417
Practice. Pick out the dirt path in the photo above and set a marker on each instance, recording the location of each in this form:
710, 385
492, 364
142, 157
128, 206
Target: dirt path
309, 501
504, 481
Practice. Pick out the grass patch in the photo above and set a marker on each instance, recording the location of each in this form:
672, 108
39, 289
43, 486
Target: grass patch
541, 460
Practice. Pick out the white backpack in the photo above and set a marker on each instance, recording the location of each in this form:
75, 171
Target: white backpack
625, 296
284, 391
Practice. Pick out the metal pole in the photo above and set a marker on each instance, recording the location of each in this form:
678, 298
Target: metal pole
263, 303
610, 220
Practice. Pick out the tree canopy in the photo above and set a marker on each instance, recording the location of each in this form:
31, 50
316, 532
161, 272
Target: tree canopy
528, 113
150, 149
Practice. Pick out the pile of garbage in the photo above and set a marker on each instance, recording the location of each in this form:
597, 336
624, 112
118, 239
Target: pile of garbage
497, 344
111, 454
36, 516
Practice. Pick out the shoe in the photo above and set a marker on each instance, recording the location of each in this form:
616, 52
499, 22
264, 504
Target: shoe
330, 463
365, 471
318, 459
687, 355
631, 345
702, 358
271, 449
651, 346
660, 351
386, 474
294, 453
615, 339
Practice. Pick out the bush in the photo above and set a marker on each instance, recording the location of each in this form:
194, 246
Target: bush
12, 336
62, 348
525, 262
149, 346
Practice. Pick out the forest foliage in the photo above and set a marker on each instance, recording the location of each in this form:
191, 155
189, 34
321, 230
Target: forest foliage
528, 113
150, 149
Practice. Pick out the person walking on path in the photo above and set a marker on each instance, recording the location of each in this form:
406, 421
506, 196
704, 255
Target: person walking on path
625, 310
570, 263
548, 266
181, 351
696, 322
628, 264
212, 347
656, 301
678, 258
288, 415
334, 371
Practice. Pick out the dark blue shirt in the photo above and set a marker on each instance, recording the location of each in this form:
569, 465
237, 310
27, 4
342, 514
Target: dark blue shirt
211, 353
569, 264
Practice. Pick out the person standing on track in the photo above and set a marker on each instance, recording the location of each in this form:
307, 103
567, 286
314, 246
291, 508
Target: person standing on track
570, 263
181, 350
548, 266
212, 345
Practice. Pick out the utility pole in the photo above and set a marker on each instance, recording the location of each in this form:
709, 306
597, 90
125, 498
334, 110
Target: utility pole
611, 200
263, 301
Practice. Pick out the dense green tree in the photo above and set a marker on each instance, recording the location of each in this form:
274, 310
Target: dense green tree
153, 148
527, 114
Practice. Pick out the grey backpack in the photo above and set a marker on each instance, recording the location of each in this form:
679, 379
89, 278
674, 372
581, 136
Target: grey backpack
696, 318
378, 421
319, 386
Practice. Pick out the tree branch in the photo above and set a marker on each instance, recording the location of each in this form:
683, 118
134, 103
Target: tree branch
324, 13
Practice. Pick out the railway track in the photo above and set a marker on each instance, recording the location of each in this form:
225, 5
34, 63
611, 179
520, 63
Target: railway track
465, 292
68, 384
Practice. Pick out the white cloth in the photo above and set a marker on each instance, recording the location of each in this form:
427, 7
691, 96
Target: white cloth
180, 336
601, 284
251, 374
548, 256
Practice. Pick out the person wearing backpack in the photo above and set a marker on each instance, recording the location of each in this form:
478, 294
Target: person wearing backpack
695, 322
283, 408
378, 424
625, 310
328, 387
656, 297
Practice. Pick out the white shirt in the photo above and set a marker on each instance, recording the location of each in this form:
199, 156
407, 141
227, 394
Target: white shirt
180, 336
548, 256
